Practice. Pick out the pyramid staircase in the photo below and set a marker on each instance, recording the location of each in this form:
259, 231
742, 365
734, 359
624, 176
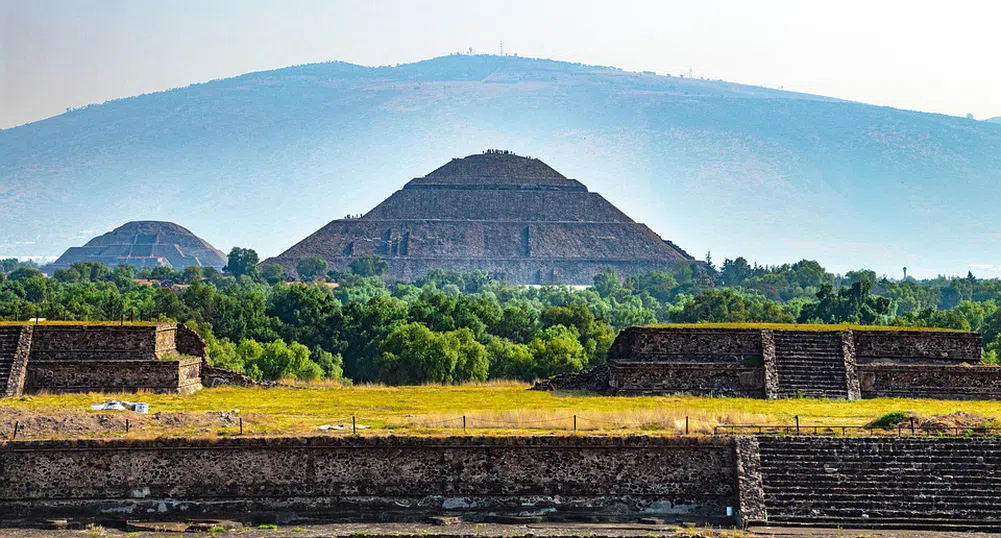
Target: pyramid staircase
918, 483
810, 364
12, 366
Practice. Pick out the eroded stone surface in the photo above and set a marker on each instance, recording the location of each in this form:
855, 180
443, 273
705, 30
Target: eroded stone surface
601, 477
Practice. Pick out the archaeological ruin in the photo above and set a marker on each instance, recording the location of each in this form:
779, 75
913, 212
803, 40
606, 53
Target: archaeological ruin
943, 482
102, 357
789, 362
512, 216
147, 243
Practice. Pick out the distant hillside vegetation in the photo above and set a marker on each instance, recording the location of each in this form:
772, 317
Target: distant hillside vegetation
264, 159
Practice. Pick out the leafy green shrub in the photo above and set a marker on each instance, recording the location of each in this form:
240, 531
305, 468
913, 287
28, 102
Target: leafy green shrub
890, 419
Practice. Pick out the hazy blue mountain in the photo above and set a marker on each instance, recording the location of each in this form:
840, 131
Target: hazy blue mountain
996, 119
264, 159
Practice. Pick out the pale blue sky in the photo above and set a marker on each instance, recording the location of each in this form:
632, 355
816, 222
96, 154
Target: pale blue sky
922, 55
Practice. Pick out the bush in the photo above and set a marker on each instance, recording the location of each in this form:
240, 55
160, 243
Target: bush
890, 419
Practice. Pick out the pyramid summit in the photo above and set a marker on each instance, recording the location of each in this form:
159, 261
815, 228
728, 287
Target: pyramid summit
144, 243
512, 216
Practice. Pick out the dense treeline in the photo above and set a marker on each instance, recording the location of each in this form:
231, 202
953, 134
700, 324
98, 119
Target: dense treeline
449, 327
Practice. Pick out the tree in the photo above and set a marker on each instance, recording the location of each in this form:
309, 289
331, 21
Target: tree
735, 272
9, 264
509, 360
412, 354
311, 268
517, 324
658, 284
369, 265
471, 362
847, 305
279, 360
272, 273
333, 365
242, 261
595, 336
557, 350
606, 283
192, 274
24, 273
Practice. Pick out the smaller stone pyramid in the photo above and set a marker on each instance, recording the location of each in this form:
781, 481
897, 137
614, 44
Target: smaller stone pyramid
144, 243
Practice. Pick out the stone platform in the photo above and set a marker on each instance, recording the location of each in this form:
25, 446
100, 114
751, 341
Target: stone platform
127, 357
775, 362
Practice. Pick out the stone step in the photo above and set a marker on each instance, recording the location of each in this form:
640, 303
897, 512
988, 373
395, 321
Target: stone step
792, 346
889, 512
793, 465
915, 522
852, 487
851, 457
874, 499
810, 375
833, 363
788, 380
816, 395
809, 359
805, 344
888, 515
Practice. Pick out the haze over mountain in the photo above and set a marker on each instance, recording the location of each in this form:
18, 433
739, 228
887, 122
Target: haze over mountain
263, 159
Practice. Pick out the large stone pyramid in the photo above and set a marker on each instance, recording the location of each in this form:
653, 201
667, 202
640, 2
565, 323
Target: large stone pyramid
144, 243
513, 216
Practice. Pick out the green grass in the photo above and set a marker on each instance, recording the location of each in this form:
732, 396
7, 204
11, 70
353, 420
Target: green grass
799, 327
491, 408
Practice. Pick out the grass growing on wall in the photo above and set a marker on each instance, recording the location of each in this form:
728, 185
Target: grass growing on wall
86, 323
799, 327
490, 408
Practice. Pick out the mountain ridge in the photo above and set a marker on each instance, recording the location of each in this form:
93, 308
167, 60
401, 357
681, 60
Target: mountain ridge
264, 158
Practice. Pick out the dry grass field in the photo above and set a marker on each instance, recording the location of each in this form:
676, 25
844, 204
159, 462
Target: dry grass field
488, 408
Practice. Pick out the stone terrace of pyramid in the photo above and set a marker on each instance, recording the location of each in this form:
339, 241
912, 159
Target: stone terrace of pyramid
513, 216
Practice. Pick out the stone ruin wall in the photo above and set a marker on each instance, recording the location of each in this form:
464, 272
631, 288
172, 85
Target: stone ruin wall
734, 362
188, 343
762, 478
159, 376
708, 362
945, 382
401, 478
102, 342
916, 347
113, 358
14, 384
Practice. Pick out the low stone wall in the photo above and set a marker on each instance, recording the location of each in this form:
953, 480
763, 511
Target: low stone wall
386, 478
102, 342
638, 344
930, 381
742, 362
187, 342
160, 376
698, 379
13, 385
916, 347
